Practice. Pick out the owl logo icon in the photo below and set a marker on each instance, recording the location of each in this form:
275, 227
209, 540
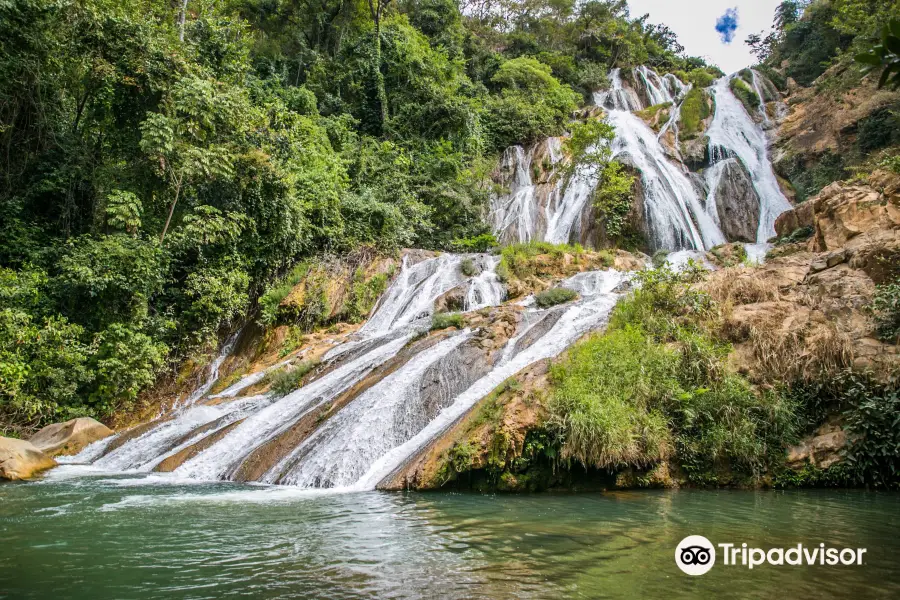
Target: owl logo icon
695, 555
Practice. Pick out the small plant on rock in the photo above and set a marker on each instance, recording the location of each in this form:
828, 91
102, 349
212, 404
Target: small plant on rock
554, 296
445, 320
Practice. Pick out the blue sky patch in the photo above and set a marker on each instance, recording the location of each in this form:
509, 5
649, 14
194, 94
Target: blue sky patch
727, 24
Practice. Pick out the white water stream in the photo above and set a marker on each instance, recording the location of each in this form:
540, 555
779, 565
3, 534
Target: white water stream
385, 425
677, 212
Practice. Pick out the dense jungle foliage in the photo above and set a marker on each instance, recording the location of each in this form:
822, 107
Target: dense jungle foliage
164, 162
831, 45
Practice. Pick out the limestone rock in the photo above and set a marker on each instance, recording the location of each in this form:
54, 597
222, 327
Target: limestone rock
69, 437
695, 153
20, 459
736, 202
797, 218
453, 300
853, 215
820, 450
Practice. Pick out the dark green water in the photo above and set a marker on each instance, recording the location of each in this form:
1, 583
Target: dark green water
98, 538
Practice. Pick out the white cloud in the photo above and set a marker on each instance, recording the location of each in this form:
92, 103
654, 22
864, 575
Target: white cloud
694, 21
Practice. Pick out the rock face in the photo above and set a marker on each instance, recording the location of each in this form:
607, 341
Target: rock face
20, 459
69, 437
736, 202
820, 450
807, 309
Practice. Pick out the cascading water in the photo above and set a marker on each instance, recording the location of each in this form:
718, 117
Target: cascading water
674, 212
412, 295
677, 214
248, 423
576, 319
384, 416
734, 134
386, 399
485, 289
212, 373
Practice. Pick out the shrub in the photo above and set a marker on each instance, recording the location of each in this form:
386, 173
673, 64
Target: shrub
364, 293
886, 308
657, 385
745, 94
278, 291
554, 296
873, 456
445, 320
286, 381
480, 243
468, 268
613, 198
532, 103
602, 396
694, 109
649, 113
798, 235
519, 259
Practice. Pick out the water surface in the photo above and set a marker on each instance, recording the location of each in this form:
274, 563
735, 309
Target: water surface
149, 537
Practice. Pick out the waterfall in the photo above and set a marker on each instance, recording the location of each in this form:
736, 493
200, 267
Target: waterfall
485, 289
243, 424
674, 211
575, 320
412, 295
673, 208
212, 373
676, 214
384, 416
568, 212
734, 134
762, 98
514, 216
384, 393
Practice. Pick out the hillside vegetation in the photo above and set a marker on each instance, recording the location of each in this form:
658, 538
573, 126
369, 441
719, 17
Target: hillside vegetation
165, 163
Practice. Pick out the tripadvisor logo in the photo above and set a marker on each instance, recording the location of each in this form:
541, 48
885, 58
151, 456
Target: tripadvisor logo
695, 555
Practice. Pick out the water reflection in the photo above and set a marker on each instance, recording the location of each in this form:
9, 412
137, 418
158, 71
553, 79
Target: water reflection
97, 538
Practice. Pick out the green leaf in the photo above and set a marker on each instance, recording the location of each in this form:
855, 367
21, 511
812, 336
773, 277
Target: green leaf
892, 43
868, 58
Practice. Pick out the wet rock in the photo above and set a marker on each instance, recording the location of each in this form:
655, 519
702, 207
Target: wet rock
69, 437
695, 153
452, 301
737, 203
20, 459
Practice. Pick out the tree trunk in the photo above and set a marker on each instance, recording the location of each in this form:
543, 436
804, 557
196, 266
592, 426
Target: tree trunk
181, 18
171, 212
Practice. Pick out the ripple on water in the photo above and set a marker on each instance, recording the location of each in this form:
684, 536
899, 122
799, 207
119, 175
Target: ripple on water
166, 539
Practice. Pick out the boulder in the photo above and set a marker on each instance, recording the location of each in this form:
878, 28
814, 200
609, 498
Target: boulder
820, 450
853, 215
695, 153
20, 459
453, 300
737, 203
797, 218
69, 437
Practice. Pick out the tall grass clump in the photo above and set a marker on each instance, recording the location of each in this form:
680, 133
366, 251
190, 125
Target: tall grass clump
286, 381
445, 320
604, 394
554, 296
656, 387
519, 259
